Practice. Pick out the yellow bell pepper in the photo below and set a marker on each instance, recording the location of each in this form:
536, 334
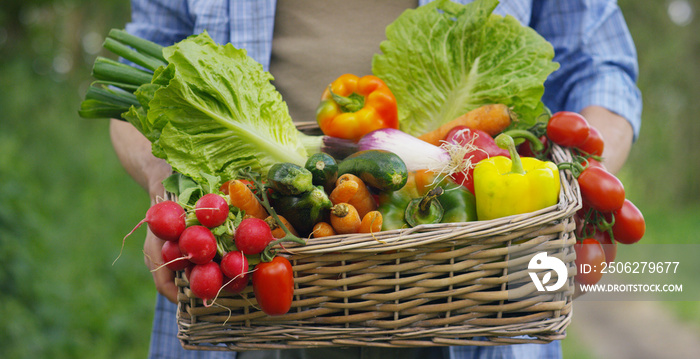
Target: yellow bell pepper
505, 187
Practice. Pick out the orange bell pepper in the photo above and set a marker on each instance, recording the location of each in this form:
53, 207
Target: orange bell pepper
353, 106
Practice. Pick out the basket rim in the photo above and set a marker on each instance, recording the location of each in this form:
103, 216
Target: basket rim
569, 202
360, 314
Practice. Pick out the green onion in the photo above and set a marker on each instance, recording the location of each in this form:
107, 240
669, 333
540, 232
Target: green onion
113, 92
138, 58
143, 46
116, 97
100, 109
110, 70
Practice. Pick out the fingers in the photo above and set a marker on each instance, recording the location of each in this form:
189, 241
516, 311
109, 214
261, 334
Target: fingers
165, 283
163, 278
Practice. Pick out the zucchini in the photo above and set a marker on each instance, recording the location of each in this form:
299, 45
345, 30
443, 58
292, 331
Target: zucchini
380, 169
305, 210
324, 170
289, 179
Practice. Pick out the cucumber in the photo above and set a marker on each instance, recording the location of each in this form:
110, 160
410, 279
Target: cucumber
305, 210
324, 170
380, 169
289, 179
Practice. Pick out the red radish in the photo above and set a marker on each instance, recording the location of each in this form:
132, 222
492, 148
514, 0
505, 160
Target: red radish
198, 244
252, 235
211, 210
236, 285
206, 280
172, 256
234, 263
165, 219
234, 266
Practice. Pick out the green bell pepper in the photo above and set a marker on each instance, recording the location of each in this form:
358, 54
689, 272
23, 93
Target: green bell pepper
426, 209
448, 202
459, 203
392, 206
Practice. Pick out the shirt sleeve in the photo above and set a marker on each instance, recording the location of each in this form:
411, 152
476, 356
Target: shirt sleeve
164, 22
597, 57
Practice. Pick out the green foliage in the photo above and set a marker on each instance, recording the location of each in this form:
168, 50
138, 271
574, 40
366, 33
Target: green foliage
65, 201
62, 219
663, 168
463, 64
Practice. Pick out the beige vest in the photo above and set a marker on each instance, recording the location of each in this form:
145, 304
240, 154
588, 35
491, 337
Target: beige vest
315, 41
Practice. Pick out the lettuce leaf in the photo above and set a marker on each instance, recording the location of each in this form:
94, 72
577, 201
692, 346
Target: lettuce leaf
214, 110
444, 59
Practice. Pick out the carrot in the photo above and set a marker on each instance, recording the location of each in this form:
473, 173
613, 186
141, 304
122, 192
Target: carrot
322, 229
424, 180
492, 119
362, 200
277, 231
345, 219
371, 222
244, 199
344, 192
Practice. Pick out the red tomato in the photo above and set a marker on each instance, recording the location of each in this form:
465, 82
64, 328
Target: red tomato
594, 163
589, 256
629, 224
568, 129
273, 285
601, 190
224, 187
525, 149
593, 145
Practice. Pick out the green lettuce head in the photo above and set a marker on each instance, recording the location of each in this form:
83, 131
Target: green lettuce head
444, 59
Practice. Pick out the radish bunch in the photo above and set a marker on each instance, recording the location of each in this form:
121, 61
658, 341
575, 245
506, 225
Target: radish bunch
196, 243
192, 247
190, 244
218, 249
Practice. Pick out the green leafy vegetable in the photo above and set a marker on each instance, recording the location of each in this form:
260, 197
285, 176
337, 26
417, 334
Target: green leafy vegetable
206, 108
187, 190
444, 59
217, 112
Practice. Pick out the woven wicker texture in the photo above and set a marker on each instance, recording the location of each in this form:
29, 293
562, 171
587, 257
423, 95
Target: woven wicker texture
432, 285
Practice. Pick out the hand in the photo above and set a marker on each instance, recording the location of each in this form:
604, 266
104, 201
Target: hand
163, 277
617, 134
134, 152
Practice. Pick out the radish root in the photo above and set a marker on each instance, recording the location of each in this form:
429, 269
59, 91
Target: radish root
124, 239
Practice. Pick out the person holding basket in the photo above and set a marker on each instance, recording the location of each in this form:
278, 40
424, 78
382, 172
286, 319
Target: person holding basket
304, 43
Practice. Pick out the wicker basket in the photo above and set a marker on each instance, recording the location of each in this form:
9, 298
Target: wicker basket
432, 285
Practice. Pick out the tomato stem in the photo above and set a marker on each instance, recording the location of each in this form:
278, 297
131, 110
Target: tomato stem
535, 143
575, 168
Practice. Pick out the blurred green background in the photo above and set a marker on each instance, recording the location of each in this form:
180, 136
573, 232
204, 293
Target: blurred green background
66, 203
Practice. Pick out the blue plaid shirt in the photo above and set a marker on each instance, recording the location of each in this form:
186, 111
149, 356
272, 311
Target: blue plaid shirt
590, 38
591, 43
